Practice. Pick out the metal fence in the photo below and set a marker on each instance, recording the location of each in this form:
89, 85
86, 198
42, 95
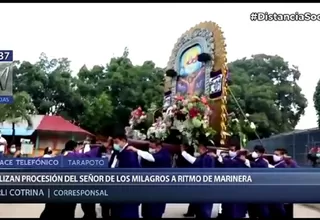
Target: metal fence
297, 143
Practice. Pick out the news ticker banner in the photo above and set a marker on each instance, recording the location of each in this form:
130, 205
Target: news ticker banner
162, 185
6, 59
55, 162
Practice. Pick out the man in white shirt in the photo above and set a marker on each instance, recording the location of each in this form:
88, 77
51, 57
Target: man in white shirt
124, 159
3, 144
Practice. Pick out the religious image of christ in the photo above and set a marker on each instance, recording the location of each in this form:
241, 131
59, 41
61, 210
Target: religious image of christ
191, 80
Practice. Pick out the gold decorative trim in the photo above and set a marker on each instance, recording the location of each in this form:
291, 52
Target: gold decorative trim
219, 62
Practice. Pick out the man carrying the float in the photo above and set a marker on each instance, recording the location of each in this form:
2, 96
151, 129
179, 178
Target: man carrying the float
124, 159
235, 159
111, 155
89, 209
291, 163
67, 210
203, 210
157, 158
279, 158
259, 210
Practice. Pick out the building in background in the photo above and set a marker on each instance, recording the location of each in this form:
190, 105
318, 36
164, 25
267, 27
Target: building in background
22, 130
55, 131
46, 131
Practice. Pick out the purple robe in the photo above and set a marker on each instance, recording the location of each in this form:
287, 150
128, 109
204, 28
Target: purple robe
292, 163
260, 210
162, 160
203, 210
204, 161
259, 163
90, 154
281, 164
289, 207
126, 159
278, 209
234, 210
54, 210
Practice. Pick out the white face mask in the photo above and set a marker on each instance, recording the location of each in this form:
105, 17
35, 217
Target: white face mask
232, 153
13, 150
254, 155
86, 148
2, 147
152, 151
276, 158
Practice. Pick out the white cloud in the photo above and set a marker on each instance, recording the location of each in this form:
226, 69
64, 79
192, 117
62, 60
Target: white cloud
92, 33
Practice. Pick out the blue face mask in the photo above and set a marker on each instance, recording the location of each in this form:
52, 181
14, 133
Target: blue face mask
116, 147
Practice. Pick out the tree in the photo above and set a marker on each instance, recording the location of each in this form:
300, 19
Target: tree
266, 88
19, 110
103, 97
51, 86
98, 99
98, 114
32, 79
316, 100
127, 86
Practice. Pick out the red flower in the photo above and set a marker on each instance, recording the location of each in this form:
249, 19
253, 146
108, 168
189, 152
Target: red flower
138, 112
179, 98
204, 100
193, 112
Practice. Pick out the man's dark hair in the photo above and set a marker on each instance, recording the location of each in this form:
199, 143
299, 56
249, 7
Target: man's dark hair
259, 148
47, 150
234, 141
236, 147
282, 151
70, 145
120, 136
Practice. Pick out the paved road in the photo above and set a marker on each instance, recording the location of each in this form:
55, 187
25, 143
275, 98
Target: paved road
173, 211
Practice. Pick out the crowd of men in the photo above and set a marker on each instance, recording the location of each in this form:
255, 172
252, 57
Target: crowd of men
121, 155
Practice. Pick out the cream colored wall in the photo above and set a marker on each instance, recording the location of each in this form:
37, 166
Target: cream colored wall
56, 141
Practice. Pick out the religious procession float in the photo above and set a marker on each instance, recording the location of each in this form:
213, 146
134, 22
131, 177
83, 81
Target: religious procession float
195, 97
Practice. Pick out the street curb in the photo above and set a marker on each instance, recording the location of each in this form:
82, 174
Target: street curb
315, 207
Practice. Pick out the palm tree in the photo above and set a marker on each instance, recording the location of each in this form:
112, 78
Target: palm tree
20, 110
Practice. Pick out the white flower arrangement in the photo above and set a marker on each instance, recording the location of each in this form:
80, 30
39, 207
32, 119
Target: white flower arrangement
137, 116
189, 116
158, 130
187, 119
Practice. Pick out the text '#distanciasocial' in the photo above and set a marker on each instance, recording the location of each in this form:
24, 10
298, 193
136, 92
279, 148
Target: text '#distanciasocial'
122, 178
